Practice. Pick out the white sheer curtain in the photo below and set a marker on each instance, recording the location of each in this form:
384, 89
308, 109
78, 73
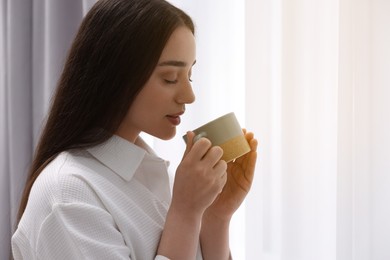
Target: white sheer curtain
318, 94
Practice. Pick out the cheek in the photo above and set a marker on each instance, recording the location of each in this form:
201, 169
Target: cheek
157, 96
154, 96
144, 99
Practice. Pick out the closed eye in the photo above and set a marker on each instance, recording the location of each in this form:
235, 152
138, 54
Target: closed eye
170, 81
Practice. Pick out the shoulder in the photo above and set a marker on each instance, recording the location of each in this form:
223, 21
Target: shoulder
61, 182
69, 178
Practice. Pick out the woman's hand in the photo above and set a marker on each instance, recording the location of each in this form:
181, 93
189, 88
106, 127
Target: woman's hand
200, 177
239, 180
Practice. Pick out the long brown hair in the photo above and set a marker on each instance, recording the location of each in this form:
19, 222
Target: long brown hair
114, 53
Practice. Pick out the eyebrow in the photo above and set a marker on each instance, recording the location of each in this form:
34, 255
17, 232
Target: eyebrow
175, 63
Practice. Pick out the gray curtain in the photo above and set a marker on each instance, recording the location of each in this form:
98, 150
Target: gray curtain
34, 39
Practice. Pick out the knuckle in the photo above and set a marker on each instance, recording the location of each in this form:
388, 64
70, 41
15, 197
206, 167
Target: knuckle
199, 169
217, 151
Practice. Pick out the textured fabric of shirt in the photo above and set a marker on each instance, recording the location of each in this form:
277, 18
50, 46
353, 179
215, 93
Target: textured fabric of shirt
106, 202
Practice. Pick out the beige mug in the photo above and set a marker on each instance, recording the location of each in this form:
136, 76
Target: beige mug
226, 132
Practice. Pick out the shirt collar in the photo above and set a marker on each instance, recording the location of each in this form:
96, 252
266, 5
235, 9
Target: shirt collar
122, 156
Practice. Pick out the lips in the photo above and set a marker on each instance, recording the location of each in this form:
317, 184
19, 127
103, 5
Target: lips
175, 118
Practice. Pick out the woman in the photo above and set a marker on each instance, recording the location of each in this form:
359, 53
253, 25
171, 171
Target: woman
95, 189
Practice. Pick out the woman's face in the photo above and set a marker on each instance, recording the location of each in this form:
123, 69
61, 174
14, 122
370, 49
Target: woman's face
158, 107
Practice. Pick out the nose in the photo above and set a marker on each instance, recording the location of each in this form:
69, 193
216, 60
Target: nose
185, 95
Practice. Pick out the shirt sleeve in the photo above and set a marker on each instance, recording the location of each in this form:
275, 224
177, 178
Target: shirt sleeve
80, 231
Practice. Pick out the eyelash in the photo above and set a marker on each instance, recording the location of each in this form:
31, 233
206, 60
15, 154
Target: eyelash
170, 81
174, 81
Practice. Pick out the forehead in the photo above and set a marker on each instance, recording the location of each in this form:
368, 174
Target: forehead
180, 47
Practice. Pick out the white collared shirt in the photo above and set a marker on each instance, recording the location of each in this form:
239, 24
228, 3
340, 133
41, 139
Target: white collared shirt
106, 202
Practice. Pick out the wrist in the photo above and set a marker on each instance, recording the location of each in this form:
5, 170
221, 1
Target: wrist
212, 217
214, 214
180, 237
214, 236
185, 212
180, 217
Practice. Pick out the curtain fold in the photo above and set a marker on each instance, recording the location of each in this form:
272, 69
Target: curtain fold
35, 38
15, 111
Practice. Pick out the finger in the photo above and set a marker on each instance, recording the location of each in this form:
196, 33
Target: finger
190, 137
251, 166
221, 166
223, 180
253, 143
249, 136
213, 155
251, 161
223, 175
200, 148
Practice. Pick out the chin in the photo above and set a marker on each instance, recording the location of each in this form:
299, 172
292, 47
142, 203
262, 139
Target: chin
165, 135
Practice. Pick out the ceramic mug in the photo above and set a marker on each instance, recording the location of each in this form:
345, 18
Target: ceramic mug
225, 132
